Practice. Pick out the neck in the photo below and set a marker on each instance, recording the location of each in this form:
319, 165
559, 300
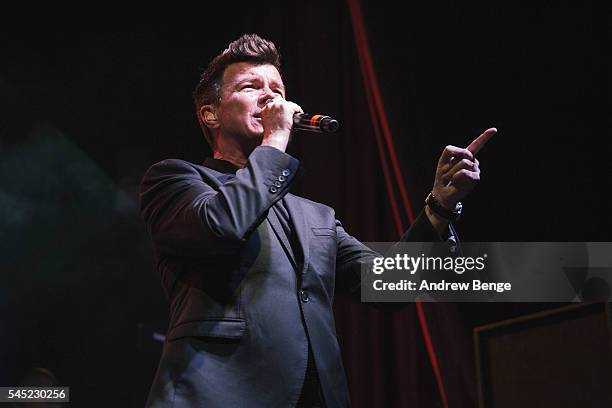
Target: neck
231, 150
237, 160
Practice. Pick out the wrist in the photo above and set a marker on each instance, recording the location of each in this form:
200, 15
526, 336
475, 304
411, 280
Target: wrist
277, 140
442, 210
438, 223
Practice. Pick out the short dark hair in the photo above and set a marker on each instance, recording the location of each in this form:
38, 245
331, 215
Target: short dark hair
248, 48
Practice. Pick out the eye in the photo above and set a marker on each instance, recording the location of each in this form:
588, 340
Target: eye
247, 86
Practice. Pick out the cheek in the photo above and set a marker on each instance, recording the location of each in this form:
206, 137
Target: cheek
240, 107
233, 112
237, 113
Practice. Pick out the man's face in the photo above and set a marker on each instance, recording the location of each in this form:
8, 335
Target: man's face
246, 87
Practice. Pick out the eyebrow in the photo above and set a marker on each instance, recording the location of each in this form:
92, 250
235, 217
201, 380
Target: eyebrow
279, 86
273, 84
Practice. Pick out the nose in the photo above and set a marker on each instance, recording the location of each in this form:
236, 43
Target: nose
265, 95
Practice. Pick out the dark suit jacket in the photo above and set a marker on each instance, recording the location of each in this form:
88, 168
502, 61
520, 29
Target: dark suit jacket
243, 305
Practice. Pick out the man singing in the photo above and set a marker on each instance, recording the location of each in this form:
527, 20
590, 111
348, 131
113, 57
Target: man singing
250, 270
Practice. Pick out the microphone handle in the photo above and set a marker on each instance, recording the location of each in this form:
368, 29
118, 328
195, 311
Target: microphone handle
315, 123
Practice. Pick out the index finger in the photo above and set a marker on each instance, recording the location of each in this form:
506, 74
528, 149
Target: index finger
296, 108
480, 141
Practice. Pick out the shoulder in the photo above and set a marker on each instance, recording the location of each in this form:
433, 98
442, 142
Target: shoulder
177, 168
176, 173
173, 165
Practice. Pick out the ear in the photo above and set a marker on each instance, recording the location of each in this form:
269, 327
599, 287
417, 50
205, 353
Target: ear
208, 116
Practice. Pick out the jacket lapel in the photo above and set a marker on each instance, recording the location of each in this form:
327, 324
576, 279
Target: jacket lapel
294, 208
280, 234
298, 221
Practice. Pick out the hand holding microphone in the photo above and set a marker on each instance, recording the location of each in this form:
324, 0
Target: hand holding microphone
292, 117
313, 123
277, 120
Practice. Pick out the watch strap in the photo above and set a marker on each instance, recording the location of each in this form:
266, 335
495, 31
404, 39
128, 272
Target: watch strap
451, 215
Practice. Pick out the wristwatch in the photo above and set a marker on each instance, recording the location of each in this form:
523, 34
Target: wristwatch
435, 206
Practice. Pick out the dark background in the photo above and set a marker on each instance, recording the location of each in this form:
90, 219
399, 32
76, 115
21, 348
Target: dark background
90, 98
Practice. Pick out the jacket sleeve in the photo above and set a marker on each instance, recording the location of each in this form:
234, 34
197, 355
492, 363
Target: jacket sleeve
353, 256
185, 212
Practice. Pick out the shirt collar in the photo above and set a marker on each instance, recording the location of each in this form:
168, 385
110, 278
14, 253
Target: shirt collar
222, 166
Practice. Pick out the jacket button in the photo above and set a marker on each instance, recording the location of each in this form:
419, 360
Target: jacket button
304, 296
273, 189
286, 172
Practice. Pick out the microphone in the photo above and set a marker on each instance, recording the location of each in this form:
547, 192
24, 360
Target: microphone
313, 123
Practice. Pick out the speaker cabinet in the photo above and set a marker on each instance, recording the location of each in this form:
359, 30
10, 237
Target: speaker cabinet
557, 358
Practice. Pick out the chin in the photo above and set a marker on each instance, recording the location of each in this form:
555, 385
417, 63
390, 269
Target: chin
255, 138
256, 132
